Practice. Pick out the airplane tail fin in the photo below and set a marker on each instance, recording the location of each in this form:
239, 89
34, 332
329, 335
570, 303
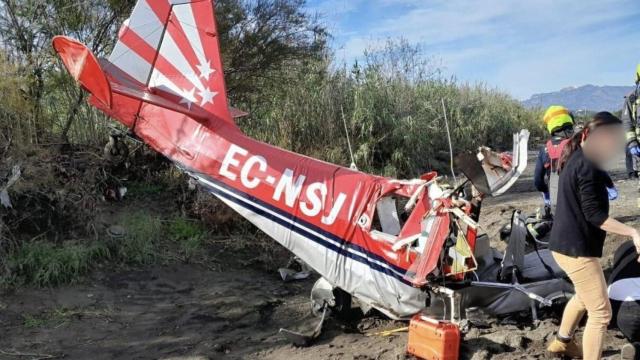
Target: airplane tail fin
167, 54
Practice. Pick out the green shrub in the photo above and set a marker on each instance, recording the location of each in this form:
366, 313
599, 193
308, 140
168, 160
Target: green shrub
46, 264
143, 234
188, 233
146, 240
182, 229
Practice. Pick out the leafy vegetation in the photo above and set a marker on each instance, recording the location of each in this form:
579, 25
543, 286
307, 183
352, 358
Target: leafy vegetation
189, 234
138, 245
147, 240
277, 67
392, 105
43, 263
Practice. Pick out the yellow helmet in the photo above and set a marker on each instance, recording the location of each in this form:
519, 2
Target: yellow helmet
556, 117
638, 74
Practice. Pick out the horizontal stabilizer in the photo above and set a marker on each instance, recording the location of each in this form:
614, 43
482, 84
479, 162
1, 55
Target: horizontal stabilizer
84, 67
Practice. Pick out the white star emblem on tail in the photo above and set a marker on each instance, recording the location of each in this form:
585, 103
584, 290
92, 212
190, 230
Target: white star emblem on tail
188, 97
207, 96
205, 70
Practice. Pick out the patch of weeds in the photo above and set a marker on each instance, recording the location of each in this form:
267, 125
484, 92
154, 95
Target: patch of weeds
190, 247
181, 228
146, 240
47, 264
189, 235
33, 321
143, 233
149, 239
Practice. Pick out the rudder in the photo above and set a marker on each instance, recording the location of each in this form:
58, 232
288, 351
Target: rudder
171, 48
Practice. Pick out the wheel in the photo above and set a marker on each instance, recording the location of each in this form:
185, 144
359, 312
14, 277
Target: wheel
342, 307
324, 294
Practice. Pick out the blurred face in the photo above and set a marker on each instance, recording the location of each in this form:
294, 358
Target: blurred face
604, 144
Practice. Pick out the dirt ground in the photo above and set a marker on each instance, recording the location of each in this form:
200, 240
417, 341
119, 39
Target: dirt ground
233, 311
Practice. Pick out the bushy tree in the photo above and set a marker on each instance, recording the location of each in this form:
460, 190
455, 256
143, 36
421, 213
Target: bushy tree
26, 30
261, 37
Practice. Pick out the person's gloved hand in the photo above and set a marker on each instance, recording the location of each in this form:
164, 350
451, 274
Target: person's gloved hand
635, 150
547, 198
613, 193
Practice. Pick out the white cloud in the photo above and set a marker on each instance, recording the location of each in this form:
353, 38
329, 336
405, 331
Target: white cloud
521, 46
336, 7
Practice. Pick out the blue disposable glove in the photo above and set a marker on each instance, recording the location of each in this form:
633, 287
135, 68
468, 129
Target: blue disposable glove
635, 151
613, 193
547, 198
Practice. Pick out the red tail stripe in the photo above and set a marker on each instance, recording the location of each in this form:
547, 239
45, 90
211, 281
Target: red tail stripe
144, 50
161, 8
206, 24
138, 45
175, 30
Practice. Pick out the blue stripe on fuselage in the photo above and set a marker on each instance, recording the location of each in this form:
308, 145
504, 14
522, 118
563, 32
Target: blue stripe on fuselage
341, 250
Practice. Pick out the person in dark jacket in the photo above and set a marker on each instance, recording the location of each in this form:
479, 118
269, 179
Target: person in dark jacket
559, 123
580, 226
630, 118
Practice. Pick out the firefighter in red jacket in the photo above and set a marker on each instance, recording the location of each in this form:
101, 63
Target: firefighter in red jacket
630, 117
559, 123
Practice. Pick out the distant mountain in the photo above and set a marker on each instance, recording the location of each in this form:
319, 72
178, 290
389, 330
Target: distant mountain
587, 97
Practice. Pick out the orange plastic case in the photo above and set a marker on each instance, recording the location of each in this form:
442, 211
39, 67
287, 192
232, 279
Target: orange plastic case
432, 339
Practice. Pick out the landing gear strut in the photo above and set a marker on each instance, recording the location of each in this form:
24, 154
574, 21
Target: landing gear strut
325, 300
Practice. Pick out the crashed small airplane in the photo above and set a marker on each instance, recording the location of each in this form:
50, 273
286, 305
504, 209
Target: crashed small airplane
389, 244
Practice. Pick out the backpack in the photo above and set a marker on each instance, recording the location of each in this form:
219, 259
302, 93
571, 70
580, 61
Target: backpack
554, 151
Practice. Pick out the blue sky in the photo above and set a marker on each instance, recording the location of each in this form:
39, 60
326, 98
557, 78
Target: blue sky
522, 47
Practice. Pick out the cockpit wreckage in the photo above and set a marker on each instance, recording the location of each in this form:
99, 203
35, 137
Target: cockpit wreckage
392, 245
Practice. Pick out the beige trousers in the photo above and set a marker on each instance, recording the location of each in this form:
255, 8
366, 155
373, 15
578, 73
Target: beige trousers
591, 297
